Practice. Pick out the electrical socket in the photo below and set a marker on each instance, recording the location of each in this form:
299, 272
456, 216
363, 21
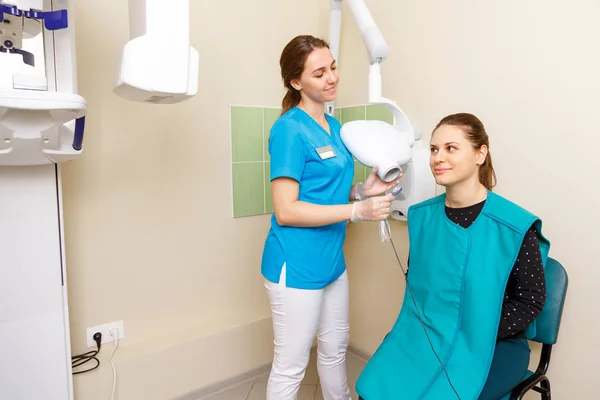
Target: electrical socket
105, 330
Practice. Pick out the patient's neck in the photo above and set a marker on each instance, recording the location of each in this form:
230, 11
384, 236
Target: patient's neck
465, 194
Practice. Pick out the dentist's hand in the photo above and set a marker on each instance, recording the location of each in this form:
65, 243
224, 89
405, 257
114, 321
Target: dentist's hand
373, 185
373, 209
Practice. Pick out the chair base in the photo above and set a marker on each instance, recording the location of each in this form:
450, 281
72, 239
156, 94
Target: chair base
531, 384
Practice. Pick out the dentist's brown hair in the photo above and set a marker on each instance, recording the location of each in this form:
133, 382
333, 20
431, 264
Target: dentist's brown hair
292, 60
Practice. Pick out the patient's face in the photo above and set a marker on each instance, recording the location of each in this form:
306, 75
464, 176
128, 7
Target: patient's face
453, 159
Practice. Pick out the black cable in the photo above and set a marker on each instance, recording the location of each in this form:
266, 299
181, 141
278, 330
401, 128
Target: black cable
419, 314
81, 359
89, 369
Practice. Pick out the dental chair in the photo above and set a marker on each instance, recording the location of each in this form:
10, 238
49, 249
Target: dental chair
548, 324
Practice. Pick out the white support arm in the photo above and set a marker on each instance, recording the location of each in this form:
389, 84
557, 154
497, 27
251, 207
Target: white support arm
377, 50
376, 46
335, 28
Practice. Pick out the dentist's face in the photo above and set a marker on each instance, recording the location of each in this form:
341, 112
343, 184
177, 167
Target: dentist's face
453, 158
319, 79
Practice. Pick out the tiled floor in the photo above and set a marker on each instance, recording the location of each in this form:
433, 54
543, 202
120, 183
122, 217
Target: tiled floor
309, 390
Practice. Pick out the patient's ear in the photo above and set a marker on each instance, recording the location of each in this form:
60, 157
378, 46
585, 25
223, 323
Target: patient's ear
482, 153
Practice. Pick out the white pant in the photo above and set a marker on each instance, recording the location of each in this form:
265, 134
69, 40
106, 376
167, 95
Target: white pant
297, 316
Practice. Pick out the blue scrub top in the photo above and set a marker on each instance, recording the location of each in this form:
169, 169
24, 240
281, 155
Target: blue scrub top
313, 256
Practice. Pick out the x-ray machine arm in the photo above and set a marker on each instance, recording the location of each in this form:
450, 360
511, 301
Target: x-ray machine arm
377, 51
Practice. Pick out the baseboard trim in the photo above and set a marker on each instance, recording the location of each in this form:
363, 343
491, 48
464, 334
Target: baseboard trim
229, 383
253, 374
358, 352
226, 384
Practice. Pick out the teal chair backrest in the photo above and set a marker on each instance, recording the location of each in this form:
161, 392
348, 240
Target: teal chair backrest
548, 322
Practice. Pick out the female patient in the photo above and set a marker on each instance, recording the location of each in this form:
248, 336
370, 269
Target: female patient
477, 277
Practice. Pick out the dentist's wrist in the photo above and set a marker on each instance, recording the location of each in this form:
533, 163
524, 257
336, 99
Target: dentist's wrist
359, 191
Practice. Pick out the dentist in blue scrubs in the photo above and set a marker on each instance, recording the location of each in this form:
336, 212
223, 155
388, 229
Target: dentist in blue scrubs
313, 199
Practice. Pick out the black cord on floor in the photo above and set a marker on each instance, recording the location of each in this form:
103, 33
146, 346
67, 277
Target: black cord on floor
89, 356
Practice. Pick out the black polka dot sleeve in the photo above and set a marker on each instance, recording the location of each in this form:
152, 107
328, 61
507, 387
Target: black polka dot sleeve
525, 293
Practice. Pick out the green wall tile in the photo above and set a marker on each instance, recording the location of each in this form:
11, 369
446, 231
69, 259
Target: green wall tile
246, 134
380, 113
270, 116
359, 172
248, 189
352, 114
250, 128
268, 198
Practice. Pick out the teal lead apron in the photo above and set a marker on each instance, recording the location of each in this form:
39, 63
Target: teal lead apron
458, 277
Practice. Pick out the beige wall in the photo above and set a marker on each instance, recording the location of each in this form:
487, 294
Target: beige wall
150, 237
149, 234
530, 72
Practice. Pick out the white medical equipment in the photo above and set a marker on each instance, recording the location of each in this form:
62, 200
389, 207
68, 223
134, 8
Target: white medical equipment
42, 121
158, 65
396, 147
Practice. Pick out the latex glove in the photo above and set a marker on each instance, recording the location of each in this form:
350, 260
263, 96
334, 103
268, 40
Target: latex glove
372, 209
373, 185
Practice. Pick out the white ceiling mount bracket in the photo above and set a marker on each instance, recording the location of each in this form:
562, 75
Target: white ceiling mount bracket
158, 65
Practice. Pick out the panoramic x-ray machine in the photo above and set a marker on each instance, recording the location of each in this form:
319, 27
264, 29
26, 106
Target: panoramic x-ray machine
42, 124
42, 121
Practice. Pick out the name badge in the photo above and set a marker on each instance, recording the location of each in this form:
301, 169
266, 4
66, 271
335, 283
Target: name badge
326, 152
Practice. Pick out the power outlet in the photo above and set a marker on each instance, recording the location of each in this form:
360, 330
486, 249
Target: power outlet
105, 330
